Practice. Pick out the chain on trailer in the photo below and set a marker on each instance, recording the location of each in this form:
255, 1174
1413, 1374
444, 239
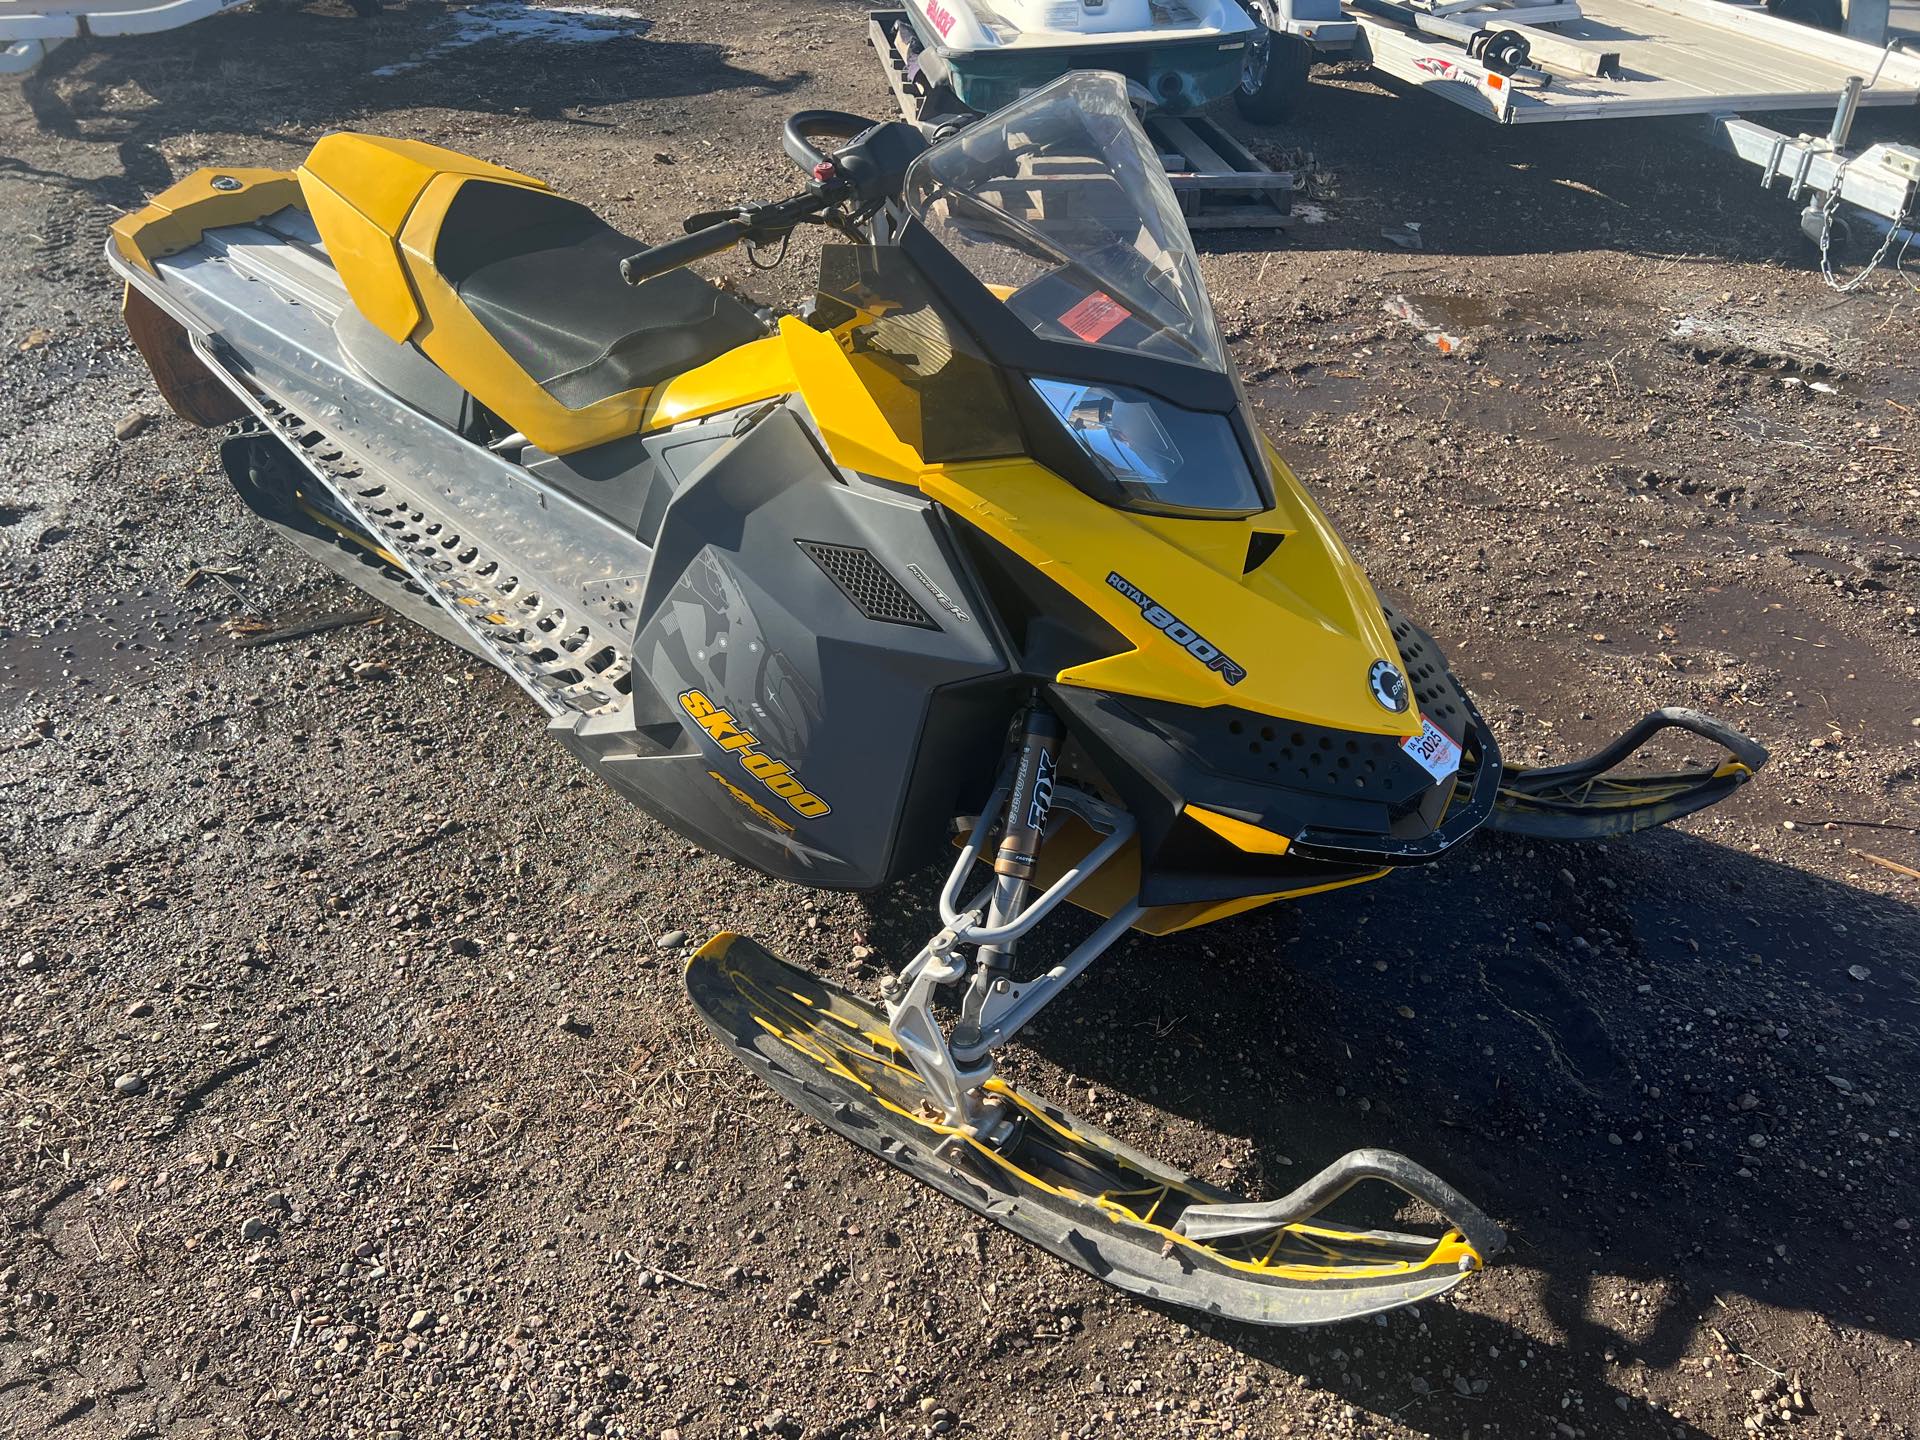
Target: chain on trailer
1901, 223
1902, 226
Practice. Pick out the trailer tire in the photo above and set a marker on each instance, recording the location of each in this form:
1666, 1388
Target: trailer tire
1273, 77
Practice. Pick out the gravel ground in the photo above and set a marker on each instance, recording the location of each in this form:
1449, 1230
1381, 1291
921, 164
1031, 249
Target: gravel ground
349, 1089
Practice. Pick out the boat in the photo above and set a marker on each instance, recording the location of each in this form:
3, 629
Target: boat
1178, 55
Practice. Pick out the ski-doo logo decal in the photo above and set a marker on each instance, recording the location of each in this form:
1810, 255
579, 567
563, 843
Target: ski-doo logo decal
941, 17
752, 804
1388, 685
1178, 631
776, 775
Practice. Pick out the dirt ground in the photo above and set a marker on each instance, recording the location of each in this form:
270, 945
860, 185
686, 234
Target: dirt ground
348, 1086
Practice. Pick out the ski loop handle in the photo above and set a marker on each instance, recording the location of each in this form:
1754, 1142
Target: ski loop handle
1749, 752
1225, 1221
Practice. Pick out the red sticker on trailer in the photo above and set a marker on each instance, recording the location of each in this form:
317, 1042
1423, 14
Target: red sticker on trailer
1095, 317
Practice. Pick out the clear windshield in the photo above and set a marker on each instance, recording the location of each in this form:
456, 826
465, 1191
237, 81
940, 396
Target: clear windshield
1059, 203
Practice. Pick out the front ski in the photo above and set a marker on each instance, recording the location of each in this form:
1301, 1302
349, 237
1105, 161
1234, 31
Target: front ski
1077, 1193
1584, 800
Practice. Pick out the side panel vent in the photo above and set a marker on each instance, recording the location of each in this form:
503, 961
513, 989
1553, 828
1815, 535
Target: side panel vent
1260, 550
865, 581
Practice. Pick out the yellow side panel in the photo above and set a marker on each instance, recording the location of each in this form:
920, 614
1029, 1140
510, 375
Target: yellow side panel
1315, 568
1117, 883
360, 189
1221, 544
856, 432
1306, 632
367, 260
757, 370
461, 346
178, 216
383, 177
1165, 919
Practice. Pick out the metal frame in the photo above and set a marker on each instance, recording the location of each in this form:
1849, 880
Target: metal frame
995, 1007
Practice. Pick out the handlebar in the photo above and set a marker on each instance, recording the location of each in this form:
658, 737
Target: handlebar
758, 223
672, 254
859, 175
794, 139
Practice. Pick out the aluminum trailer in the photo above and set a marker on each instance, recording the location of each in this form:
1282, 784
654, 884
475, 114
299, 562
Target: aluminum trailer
1533, 62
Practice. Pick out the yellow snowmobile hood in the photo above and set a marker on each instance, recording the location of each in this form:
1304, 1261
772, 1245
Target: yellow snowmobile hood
1305, 625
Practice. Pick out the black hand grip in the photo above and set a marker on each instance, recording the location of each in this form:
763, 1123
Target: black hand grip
672, 254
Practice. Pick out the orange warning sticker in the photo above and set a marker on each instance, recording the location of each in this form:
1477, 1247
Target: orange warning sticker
1094, 317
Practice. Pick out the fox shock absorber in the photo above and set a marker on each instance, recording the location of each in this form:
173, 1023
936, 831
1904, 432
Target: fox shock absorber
1027, 805
1015, 862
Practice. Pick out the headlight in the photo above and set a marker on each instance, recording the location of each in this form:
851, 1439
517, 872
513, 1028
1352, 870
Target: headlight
1158, 456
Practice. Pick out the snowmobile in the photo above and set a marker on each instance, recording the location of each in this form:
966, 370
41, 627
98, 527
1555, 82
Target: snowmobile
982, 550
1183, 54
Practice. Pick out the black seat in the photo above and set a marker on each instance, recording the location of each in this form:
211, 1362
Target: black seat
542, 275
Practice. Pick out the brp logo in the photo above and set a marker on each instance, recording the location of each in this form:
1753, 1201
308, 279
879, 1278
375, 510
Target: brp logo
1388, 685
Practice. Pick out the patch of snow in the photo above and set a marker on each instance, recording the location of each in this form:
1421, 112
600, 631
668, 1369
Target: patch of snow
1308, 213
515, 23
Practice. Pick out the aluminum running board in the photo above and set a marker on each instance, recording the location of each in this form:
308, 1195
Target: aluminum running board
546, 588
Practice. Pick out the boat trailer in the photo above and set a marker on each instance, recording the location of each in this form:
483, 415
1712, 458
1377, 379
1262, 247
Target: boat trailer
1538, 62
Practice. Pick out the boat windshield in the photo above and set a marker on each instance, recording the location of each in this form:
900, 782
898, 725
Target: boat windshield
1060, 206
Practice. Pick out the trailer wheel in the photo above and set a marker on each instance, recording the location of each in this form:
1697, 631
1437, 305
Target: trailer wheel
1821, 14
1273, 77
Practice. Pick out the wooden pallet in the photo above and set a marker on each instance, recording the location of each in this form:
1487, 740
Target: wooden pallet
1219, 183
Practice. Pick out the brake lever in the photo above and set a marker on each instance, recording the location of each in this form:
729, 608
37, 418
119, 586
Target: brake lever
708, 218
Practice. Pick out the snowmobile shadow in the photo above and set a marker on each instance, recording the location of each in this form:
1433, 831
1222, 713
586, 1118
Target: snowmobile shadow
251, 74
1648, 1059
